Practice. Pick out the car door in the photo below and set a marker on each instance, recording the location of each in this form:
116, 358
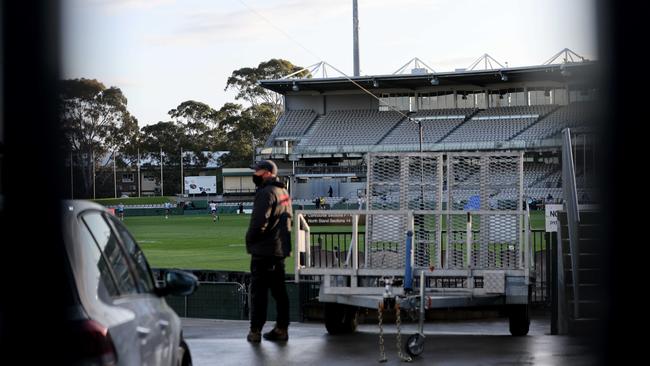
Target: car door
131, 297
166, 320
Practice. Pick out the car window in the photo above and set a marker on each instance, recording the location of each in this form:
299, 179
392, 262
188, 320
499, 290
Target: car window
94, 255
145, 279
108, 244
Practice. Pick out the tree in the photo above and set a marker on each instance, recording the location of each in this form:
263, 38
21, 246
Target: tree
195, 127
95, 120
245, 82
167, 136
201, 128
249, 129
195, 112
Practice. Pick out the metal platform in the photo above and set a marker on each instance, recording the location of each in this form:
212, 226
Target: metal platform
431, 301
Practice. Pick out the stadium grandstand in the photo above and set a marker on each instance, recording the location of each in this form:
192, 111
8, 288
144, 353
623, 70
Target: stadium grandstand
329, 124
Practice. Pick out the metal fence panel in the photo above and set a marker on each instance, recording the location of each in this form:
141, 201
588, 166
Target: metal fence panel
385, 240
427, 240
295, 311
217, 301
486, 183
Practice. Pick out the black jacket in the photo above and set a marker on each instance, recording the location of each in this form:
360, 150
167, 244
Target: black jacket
269, 232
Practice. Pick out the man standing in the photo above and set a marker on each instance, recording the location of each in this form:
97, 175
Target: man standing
213, 211
268, 241
120, 211
168, 209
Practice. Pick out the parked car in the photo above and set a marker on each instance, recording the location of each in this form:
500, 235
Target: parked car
118, 315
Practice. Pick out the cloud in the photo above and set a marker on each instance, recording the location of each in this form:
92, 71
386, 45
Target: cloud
250, 22
119, 6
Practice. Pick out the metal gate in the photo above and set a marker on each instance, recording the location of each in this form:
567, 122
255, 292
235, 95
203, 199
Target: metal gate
475, 199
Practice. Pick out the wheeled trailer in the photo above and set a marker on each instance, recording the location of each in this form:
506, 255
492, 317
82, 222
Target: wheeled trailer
439, 231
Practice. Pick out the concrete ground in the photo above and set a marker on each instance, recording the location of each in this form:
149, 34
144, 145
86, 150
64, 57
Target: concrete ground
476, 342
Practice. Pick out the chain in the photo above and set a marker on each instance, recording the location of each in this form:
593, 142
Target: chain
398, 322
382, 354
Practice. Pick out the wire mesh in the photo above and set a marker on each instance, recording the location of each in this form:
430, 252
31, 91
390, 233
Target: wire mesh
404, 182
386, 234
483, 193
486, 183
427, 248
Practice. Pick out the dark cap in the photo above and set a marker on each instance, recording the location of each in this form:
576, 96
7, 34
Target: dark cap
266, 165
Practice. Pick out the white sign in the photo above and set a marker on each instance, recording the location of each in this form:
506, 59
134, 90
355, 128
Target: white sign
198, 185
551, 217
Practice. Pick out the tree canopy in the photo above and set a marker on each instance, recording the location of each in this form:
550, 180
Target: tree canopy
245, 82
95, 120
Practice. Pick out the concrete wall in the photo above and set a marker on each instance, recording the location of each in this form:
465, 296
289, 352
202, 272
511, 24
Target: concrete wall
323, 103
298, 102
350, 101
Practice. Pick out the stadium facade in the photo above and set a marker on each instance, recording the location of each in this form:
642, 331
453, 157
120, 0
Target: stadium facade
330, 124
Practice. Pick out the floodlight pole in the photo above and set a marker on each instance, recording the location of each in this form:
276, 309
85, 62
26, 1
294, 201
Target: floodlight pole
355, 36
114, 173
139, 178
162, 193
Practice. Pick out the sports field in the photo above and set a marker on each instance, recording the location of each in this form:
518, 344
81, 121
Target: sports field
192, 242
196, 242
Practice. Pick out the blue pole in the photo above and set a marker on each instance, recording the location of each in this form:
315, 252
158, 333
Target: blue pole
408, 270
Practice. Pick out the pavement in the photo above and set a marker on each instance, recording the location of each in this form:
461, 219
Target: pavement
475, 342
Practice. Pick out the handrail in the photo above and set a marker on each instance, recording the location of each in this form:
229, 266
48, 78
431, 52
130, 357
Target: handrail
570, 193
299, 223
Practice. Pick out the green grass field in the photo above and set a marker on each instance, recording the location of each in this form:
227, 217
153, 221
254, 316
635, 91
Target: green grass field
195, 242
192, 242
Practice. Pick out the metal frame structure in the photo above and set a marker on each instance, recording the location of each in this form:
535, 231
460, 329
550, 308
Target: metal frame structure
417, 64
354, 282
487, 60
566, 55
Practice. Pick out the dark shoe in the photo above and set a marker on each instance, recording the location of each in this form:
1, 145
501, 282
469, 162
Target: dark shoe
254, 336
277, 334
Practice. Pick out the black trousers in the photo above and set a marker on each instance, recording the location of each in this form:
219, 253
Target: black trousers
267, 273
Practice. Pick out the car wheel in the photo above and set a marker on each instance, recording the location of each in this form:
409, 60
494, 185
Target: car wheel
184, 359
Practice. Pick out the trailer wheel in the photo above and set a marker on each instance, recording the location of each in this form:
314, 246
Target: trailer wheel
414, 345
340, 319
519, 317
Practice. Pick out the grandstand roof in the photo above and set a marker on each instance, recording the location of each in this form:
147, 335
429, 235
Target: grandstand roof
573, 73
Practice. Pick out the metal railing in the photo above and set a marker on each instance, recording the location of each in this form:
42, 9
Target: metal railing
331, 249
339, 247
570, 193
358, 170
213, 300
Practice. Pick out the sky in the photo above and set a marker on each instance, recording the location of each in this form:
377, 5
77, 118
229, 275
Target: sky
161, 53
